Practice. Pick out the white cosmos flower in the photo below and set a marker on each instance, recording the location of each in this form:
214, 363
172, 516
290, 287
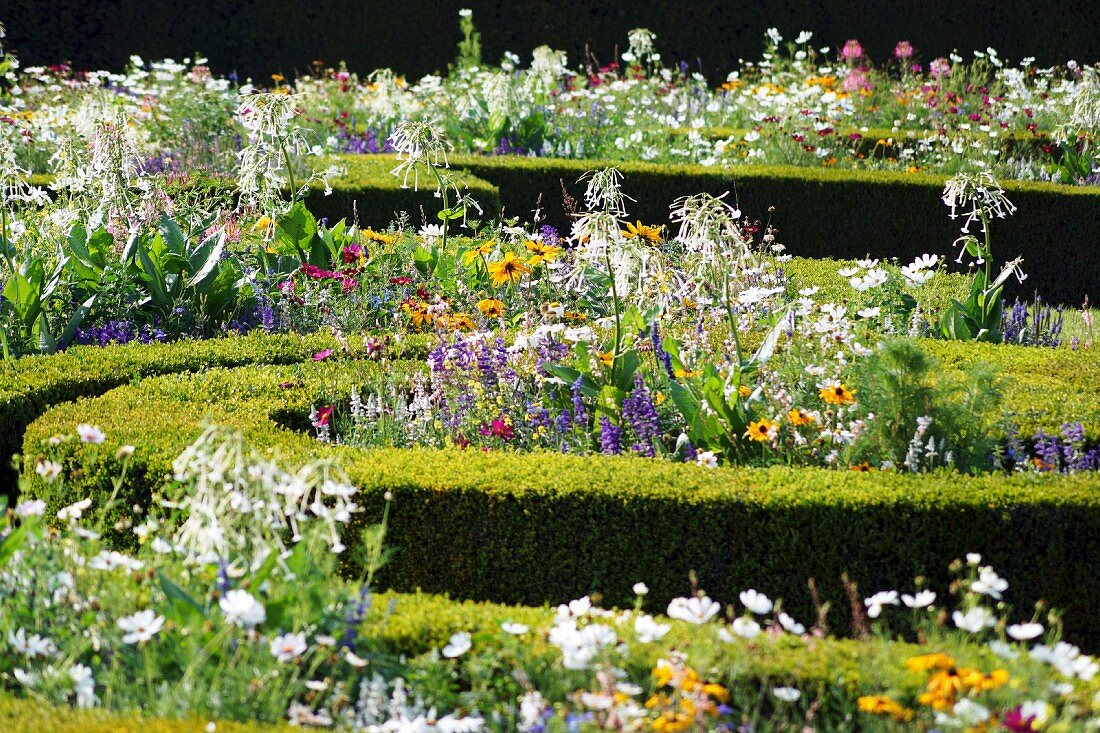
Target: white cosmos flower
869, 312
989, 583
922, 599
458, 645
648, 630
790, 625
48, 470
706, 459
108, 561
31, 508
787, 694
83, 686
90, 433
746, 627
974, 620
140, 627
241, 608
514, 628
1003, 649
877, 601
354, 660
695, 610
288, 647
756, 602
640, 589
1024, 632
33, 646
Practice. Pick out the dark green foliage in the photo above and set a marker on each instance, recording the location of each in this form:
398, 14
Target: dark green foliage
841, 214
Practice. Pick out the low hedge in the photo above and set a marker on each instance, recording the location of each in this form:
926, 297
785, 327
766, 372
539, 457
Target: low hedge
412, 624
531, 528
32, 384
839, 213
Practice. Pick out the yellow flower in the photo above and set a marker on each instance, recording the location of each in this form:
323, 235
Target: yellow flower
836, 393
478, 252
263, 224
417, 313
607, 358
461, 322
983, 682
542, 253
799, 417
672, 723
925, 662
864, 467
744, 390
507, 270
380, 237
762, 430
491, 307
639, 230
719, 693
686, 373
879, 705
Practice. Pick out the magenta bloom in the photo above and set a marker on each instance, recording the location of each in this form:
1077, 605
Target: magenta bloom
856, 81
903, 51
352, 253
498, 428
852, 50
939, 67
322, 355
324, 414
1014, 720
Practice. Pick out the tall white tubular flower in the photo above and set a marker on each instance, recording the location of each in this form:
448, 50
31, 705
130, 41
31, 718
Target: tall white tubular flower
982, 193
418, 144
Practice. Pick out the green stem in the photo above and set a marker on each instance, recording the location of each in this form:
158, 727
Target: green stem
289, 170
618, 317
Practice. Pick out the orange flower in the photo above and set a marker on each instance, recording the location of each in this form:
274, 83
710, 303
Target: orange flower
639, 230
925, 662
836, 393
879, 705
507, 270
491, 307
799, 417
461, 322
542, 253
762, 430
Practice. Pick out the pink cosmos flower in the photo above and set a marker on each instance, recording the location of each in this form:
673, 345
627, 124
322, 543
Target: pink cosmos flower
852, 50
322, 355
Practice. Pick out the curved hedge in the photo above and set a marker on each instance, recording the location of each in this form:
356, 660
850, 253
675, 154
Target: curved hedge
544, 527
841, 213
32, 384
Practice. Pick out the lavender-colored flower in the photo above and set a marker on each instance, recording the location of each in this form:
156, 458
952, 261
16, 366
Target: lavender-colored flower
610, 437
580, 415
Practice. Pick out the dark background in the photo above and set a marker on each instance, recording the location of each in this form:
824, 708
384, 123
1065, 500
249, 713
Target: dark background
415, 37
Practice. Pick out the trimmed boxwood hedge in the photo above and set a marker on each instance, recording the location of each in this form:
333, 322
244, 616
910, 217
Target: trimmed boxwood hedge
543, 527
840, 213
32, 384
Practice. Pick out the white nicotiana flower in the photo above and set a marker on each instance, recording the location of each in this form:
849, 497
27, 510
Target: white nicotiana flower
756, 602
985, 196
458, 645
241, 608
140, 627
288, 647
695, 610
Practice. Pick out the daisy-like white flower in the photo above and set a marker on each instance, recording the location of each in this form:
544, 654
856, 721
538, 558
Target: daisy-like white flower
746, 628
694, 610
31, 646
288, 647
31, 508
706, 459
514, 629
640, 589
48, 470
787, 694
141, 627
877, 601
90, 433
1024, 632
756, 602
922, 599
974, 620
648, 630
74, 511
241, 608
989, 583
790, 625
458, 645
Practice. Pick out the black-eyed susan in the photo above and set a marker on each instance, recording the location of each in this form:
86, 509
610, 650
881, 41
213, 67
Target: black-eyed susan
482, 250
686, 373
507, 270
381, 237
417, 313
835, 393
864, 467
491, 307
638, 230
799, 417
880, 705
744, 391
461, 322
541, 253
762, 430
607, 358
926, 662
978, 681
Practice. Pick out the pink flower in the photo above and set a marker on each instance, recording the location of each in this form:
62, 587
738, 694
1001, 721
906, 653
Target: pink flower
903, 51
498, 428
852, 50
856, 81
322, 355
939, 67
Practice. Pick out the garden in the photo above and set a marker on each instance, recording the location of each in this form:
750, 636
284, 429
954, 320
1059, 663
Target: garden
550, 395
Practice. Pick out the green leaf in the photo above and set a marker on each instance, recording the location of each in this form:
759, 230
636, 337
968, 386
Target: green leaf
182, 606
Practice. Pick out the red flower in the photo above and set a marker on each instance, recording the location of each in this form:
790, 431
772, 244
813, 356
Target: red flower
401, 280
498, 429
1014, 720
